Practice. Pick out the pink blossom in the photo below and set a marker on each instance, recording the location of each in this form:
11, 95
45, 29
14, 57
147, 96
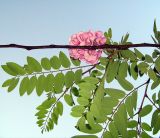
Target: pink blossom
89, 38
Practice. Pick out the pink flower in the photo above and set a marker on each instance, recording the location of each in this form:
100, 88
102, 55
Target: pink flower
89, 38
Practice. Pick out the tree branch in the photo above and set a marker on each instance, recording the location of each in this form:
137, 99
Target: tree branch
106, 46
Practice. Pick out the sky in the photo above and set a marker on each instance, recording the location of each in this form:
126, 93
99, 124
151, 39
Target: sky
42, 22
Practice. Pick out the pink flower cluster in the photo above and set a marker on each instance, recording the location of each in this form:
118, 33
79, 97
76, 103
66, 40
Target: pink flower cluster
89, 38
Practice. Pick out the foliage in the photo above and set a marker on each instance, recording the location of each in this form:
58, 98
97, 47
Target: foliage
111, 112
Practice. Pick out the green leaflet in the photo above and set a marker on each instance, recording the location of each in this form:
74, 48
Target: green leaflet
148, 58
107, 134
40, 85
86, 128
132, 124
60, 107
45, 62
145, 110
134, 70
120, 120
113, 130
49, 82
143, 67
34, 64
123, 68
82, 101
75, 62
13, 84
69, 100
8, 70
155, 83
152, 74
69, 79
78, 76
31, 84
132, 133
134, 98
112, 71
64, 60
128, 54
139, 54
146, 127
59, 82
77, 111
7, 82
157, 64
23, 86
16, 68
124, 83
115, 93
55, 62
129, 106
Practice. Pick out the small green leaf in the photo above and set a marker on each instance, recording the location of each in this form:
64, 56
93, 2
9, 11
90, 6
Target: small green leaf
40, 85
129, 106
7, 82
145, 110
134, 70
68, 99
148, 58
157, 64
59, 82
139, 54
78, 76
8, 70
75, 62
34, 64
13, 84
132, 124
124, 83
55, 62
69, 79
82, 101
115, 93
23, 86
60, 108
31, 84
123, 68
16, 68
45, 62
146, 127
49, 81
64, 60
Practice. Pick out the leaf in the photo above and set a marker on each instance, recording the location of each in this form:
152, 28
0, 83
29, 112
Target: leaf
78, 109
115, 93
146, 127
148, 58
92, 80
112, 71
75, 62
40, 85
134, 70
68, 99
107, 134
13, 84
64, 60
152, 74
155, 83
45, 62
132, 124
134, 99
110, 32
59, 82
7, 82
145, 135
82, 101
122, 72
74, 91
132, 133
16, 68
157, 64
139, 54
113, 130
55, 62
143, 67
156, 127
60, 108
120, 119
129, 106
78, 76
124, 83
34, 64
8, 70
69, 79
128, 54
23, 86
145, 110
31, 84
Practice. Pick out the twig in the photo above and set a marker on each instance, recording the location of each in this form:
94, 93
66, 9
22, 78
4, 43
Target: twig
121, 103
106, 46
152, 102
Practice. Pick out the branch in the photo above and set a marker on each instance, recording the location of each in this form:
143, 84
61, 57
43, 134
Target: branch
106, 46
107, 123
152, 102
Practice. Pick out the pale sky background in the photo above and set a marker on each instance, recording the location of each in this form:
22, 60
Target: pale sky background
39, 22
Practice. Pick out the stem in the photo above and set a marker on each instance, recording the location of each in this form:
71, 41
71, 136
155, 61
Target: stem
107, 123
152, 102
106, 46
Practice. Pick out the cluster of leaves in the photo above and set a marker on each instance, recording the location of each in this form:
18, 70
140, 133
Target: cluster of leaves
113, 112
